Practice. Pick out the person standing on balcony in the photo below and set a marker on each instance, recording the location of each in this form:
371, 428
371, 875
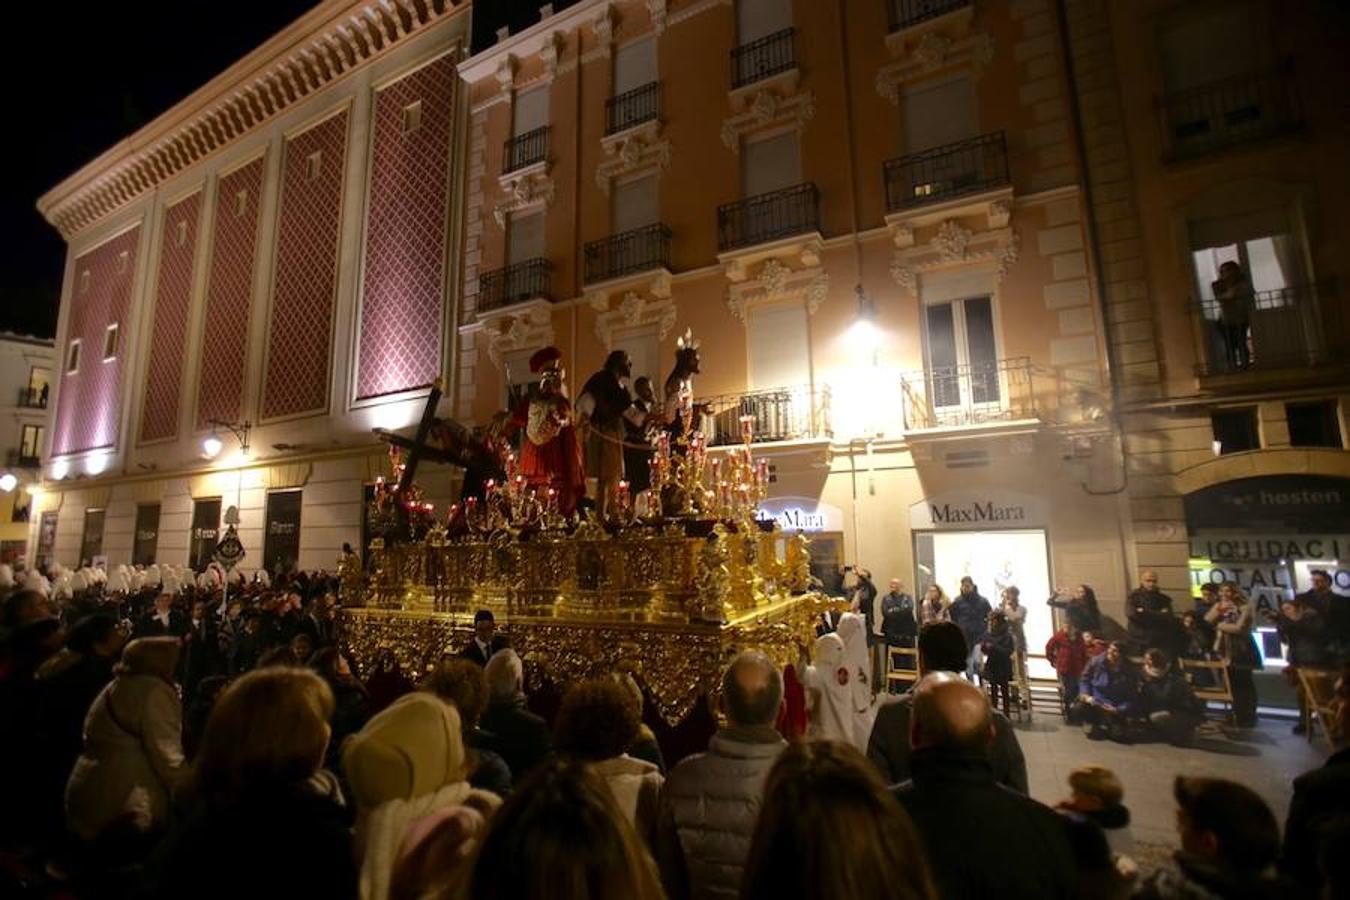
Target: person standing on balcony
1233, 292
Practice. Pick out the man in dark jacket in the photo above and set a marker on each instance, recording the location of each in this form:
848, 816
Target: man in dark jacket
1148, 613
1166, 704
898, 624
970, 611
1010, 846
162, 621
1320, 798
522, 738
486, 642
941, 649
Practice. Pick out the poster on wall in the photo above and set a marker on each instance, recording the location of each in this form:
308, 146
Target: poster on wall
281, 539
205, 532
46, 540
146, 537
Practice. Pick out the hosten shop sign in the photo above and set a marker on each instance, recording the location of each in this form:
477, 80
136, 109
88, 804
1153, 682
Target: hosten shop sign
977, 511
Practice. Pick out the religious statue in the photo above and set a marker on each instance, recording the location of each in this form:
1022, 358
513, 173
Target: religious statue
550, 458
678, 406
604, 409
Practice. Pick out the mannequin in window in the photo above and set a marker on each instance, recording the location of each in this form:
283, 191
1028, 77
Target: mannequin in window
1233, 292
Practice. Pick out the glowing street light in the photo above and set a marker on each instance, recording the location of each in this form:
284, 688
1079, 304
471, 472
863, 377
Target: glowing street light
211, 446
8, 482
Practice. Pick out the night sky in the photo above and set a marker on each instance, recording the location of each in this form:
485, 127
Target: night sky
92, 74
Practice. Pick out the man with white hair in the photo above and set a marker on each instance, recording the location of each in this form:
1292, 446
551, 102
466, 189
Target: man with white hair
521, 737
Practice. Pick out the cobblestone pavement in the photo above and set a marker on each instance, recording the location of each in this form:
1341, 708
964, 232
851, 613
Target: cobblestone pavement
1266, 758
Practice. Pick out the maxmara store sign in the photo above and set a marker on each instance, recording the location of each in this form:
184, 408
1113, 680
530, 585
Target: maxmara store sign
978, 510
802, 514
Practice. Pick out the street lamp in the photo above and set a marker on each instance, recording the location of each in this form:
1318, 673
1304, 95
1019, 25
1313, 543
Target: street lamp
864, 332
212, 444
8, 482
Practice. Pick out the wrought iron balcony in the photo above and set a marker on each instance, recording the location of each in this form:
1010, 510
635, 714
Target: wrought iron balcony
975, 394
1291, 328
33, 398
16, 459
528, 280
768, 217
525, 149
640, 250
946, 172
641, 104
1228, 112
908, 13
762, 58
780, 414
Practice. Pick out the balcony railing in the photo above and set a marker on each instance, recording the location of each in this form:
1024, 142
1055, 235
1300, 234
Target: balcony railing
976, 394
640, 250
908, 13
768, 217
16, 459
762, 58
525, 149
1297, 327
33, 397
780, 414
641, 104
943, 173
1228, 112
528, 280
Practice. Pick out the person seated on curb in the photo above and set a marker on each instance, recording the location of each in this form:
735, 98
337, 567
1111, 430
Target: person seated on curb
1166, 705
942, 648
1107, 694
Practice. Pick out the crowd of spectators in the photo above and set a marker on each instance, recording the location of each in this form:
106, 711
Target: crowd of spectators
179, 743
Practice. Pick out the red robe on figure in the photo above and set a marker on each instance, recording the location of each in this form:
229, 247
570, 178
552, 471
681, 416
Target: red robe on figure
550, 455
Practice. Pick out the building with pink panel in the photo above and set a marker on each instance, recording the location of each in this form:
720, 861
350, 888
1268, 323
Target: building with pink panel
265, 271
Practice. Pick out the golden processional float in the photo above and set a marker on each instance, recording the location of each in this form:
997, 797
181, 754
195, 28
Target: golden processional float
667, 594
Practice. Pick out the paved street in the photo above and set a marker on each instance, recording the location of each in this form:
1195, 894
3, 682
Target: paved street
1266, 759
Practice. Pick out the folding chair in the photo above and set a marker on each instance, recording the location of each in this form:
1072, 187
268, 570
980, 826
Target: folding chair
1215, 686
902, 666
1319, 689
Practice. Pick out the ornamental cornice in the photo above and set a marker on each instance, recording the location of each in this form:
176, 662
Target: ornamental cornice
767, 109
634, 310
952, 246
519, 329
637, 152
932, 53
523, 192
320, 48
776, 282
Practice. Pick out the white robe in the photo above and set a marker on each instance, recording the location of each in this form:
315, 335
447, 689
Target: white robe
840, 680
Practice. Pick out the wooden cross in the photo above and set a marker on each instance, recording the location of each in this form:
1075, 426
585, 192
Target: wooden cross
416, 448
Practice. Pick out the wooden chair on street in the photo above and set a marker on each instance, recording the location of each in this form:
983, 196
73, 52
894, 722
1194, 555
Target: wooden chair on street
1318, 688
902, 667
1208, 678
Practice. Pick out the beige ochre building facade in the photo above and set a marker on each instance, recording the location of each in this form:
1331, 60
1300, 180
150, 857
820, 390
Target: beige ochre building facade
952, 257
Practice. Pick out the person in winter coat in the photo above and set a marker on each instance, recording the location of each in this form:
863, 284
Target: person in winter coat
1079, 606
260, 775
935, 606
1303, 629
1232, 621
899, 625
408, 762
1016, 614
1167, 705
1068, 654
1095, 793
521, 737
971, 612
596, 725
461, 683
998, 647
1229, 844
1107, 691
712, 800
120, 789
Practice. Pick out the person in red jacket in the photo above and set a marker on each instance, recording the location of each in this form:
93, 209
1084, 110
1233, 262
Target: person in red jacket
1068, 654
